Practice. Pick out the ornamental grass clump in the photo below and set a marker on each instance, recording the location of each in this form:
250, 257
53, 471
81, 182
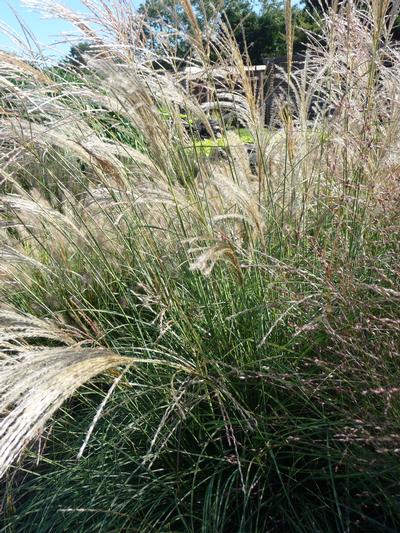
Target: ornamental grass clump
192, 340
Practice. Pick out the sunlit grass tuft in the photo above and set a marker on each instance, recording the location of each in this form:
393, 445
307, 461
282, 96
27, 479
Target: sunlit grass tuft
194, 337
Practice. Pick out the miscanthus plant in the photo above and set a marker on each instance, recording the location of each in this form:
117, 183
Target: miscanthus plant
195, 341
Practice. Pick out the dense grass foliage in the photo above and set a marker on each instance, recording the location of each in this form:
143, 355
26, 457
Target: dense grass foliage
192, 338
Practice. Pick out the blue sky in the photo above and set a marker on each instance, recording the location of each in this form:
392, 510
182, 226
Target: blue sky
46, 31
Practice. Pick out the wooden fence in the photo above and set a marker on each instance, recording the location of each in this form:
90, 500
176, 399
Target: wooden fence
268, 82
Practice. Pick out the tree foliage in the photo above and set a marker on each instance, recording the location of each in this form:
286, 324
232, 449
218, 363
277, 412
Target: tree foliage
259, 28
76, 56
